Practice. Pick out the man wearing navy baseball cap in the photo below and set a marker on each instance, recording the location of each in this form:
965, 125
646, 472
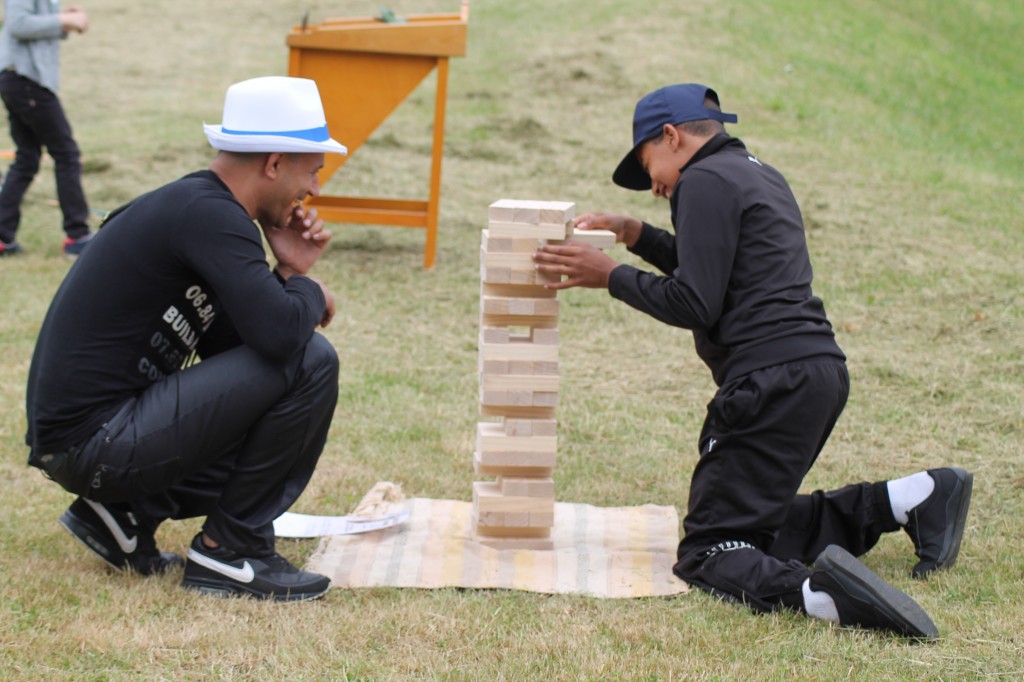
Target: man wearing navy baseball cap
124, 415
737, 274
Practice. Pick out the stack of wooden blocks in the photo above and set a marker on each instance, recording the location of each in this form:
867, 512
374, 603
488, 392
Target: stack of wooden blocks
519, 372
518, 375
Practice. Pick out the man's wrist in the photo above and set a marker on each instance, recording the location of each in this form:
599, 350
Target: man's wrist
286, 272
631, 232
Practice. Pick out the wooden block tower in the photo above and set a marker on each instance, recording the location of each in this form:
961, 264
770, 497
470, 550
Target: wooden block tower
518, 375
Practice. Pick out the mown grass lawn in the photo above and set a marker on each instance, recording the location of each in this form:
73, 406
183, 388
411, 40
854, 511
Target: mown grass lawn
897, 126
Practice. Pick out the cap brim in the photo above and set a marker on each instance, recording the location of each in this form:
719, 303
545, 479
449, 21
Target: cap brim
631, 174
269, 143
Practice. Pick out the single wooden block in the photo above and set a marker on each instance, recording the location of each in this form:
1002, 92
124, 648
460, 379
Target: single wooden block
507, 519
542, 368
501, 537
541, 321
502, 229
519, 382
492, 440
515, 210
602, 239
516, 399
527, 487
545, 336
517, 367
495, 399
517, 412
530, 367
557, 211
515, 290
512, 260
544, 399
494, 335
494, 366
530, 427
520, 460
507, 305
532, 210
523, 276
495, 275
519, 520
541, 519
518, 427
509, 470
529, 215
487, 498
503, 209
507, 244
496, 344
506, 398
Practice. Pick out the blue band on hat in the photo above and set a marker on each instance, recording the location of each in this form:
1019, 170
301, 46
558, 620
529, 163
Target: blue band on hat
313, 134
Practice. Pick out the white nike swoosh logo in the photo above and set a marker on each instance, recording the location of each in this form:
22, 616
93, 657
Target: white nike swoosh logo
245, 574
127, 545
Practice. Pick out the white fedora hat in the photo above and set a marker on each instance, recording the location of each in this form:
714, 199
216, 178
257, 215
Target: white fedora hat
273, 114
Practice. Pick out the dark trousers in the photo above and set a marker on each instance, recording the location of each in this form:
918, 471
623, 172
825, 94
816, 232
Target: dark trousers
748, 535
234, 438
37, 120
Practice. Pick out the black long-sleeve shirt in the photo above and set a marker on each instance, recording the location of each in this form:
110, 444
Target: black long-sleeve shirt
737, 272
180, 269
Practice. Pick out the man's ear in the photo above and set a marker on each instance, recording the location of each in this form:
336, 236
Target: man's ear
272, 164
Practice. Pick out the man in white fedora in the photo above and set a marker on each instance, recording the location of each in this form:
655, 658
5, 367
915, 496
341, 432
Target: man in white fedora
177, 374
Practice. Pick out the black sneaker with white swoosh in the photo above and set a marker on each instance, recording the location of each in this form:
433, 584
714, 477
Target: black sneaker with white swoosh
224, 573
113, 533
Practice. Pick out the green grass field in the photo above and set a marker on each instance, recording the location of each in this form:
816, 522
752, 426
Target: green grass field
897, 125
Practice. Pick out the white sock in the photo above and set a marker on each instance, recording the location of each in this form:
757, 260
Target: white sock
908, 492
819, 604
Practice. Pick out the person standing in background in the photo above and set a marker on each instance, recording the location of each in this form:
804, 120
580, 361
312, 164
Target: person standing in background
29, 82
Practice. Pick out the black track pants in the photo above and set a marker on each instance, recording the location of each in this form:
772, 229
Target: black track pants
234, 438
747, 533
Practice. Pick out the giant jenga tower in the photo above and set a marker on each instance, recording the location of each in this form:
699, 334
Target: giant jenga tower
518, 375
519, 372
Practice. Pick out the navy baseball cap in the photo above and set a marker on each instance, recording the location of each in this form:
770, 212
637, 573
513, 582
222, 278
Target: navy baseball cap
672, 104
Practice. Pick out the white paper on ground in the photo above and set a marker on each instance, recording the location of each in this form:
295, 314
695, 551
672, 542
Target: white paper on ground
290, 525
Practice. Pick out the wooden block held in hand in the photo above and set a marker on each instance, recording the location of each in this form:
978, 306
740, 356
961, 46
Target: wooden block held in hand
601, 239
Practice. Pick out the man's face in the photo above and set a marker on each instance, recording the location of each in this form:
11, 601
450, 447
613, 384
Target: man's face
297, 179
662, 163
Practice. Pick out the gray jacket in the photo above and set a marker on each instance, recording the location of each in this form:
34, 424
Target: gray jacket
30, 40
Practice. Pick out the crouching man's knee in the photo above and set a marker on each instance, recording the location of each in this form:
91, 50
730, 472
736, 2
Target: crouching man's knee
318, 369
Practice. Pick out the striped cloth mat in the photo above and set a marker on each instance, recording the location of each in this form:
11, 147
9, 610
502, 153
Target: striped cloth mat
598, 551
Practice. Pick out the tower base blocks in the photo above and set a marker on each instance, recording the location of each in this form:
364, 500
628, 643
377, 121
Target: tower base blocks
519, 375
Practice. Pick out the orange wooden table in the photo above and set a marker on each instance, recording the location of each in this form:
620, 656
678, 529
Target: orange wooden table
364, 68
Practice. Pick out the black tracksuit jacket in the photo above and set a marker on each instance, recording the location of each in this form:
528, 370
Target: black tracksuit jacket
737, 272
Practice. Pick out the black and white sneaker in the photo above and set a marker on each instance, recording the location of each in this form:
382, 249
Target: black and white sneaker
865, 600
114, 535
937, 525
224, 573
